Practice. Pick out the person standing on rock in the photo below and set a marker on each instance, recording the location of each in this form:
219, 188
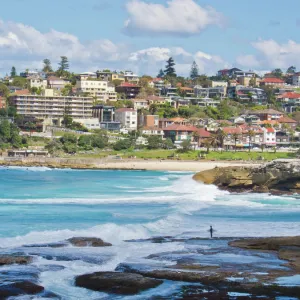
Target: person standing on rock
211, 232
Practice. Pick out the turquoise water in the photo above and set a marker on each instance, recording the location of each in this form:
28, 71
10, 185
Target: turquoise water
39, 205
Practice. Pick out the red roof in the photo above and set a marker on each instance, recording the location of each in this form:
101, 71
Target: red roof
176, 127
124, 109
22, 92
127, 84
272, 80
286, 120
290, 95
270, 129
156, 79
232, 130
203, 133
155, 98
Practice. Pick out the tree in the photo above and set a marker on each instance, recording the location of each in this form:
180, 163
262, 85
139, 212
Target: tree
207, 144
186, 146
47, 66
168, 144
235, 136
170, 70
154, 142
20, 82
222, 135
4, 90
67, 120
194, 74
291, 70
122, 145
277, 73
63, 66
161, 74
67, 90
13, 72
251, 134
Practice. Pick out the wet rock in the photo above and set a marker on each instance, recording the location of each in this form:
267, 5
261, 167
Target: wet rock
191, 267
50, 245
288, 248
14, 259
279, 175
88, 242
116, 283
19, 288
51, 268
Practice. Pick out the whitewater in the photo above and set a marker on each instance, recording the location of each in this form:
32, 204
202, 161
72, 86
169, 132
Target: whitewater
41, 205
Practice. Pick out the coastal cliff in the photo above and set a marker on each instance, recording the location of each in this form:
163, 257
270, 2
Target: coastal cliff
278, 176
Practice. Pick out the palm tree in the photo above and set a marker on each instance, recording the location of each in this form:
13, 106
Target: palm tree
222, 135
235, 137
214, 140
251, 134
207, 143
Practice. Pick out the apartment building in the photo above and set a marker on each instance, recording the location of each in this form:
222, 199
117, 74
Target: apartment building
273, 82
296, 79
106, 117
102, 90
131, 77
49, 106
129, 90
211, 92
127, 117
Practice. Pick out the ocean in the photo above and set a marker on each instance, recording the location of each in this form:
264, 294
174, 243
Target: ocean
125, 208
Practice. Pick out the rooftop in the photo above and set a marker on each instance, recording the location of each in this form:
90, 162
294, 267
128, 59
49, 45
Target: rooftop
124, 109
272, 80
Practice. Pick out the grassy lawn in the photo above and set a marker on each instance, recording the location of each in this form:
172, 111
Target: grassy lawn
191, 155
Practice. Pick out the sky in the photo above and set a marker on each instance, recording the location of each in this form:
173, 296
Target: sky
140, 35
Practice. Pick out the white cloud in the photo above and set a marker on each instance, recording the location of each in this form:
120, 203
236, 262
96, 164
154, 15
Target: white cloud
179, 17
24, 47
152, 59
271, 54
23, 43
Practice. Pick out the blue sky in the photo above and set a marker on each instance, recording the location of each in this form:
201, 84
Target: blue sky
141, 34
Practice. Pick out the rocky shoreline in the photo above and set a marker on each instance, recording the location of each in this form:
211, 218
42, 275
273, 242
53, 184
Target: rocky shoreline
277, 177
207, 272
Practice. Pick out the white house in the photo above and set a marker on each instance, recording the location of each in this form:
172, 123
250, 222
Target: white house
97, 88
37, 82
269, 136
127, 117
152, 131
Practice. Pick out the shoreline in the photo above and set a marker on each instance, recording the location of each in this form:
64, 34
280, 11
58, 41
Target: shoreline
128, 164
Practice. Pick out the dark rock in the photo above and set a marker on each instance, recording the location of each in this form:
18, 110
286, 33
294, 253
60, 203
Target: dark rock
50, 245
116, 283
20, 288
88, 242
288, 248
278, 175
14, 259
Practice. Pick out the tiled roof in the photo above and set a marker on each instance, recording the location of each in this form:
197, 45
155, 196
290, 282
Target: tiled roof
286, 120
177, 119
152, 128
266, 111
270, 129
155, 98
290, 95
127, 84
272, 80
232, 130
22, 92
176, 127
203, 133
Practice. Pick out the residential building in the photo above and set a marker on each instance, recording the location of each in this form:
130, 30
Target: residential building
204, 102
140, 103
288, 122
186, 91
267, 114
290, 101
164, 122
127, 117
37, 82
212, 83
296, 79
106, 117
2, 102
152, 130
249, 80
148, 120
269, 136
156, 100
49, 106
131, 77
169, 91
250, 95
211, 92
104, 75
282, 138
235, 72
54, 82
88, 75
90, 123
101, 90
118, 76
129, 90
157, 83
273, 82
29, 73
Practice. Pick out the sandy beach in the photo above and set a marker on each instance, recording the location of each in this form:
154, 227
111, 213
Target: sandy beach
130, 164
